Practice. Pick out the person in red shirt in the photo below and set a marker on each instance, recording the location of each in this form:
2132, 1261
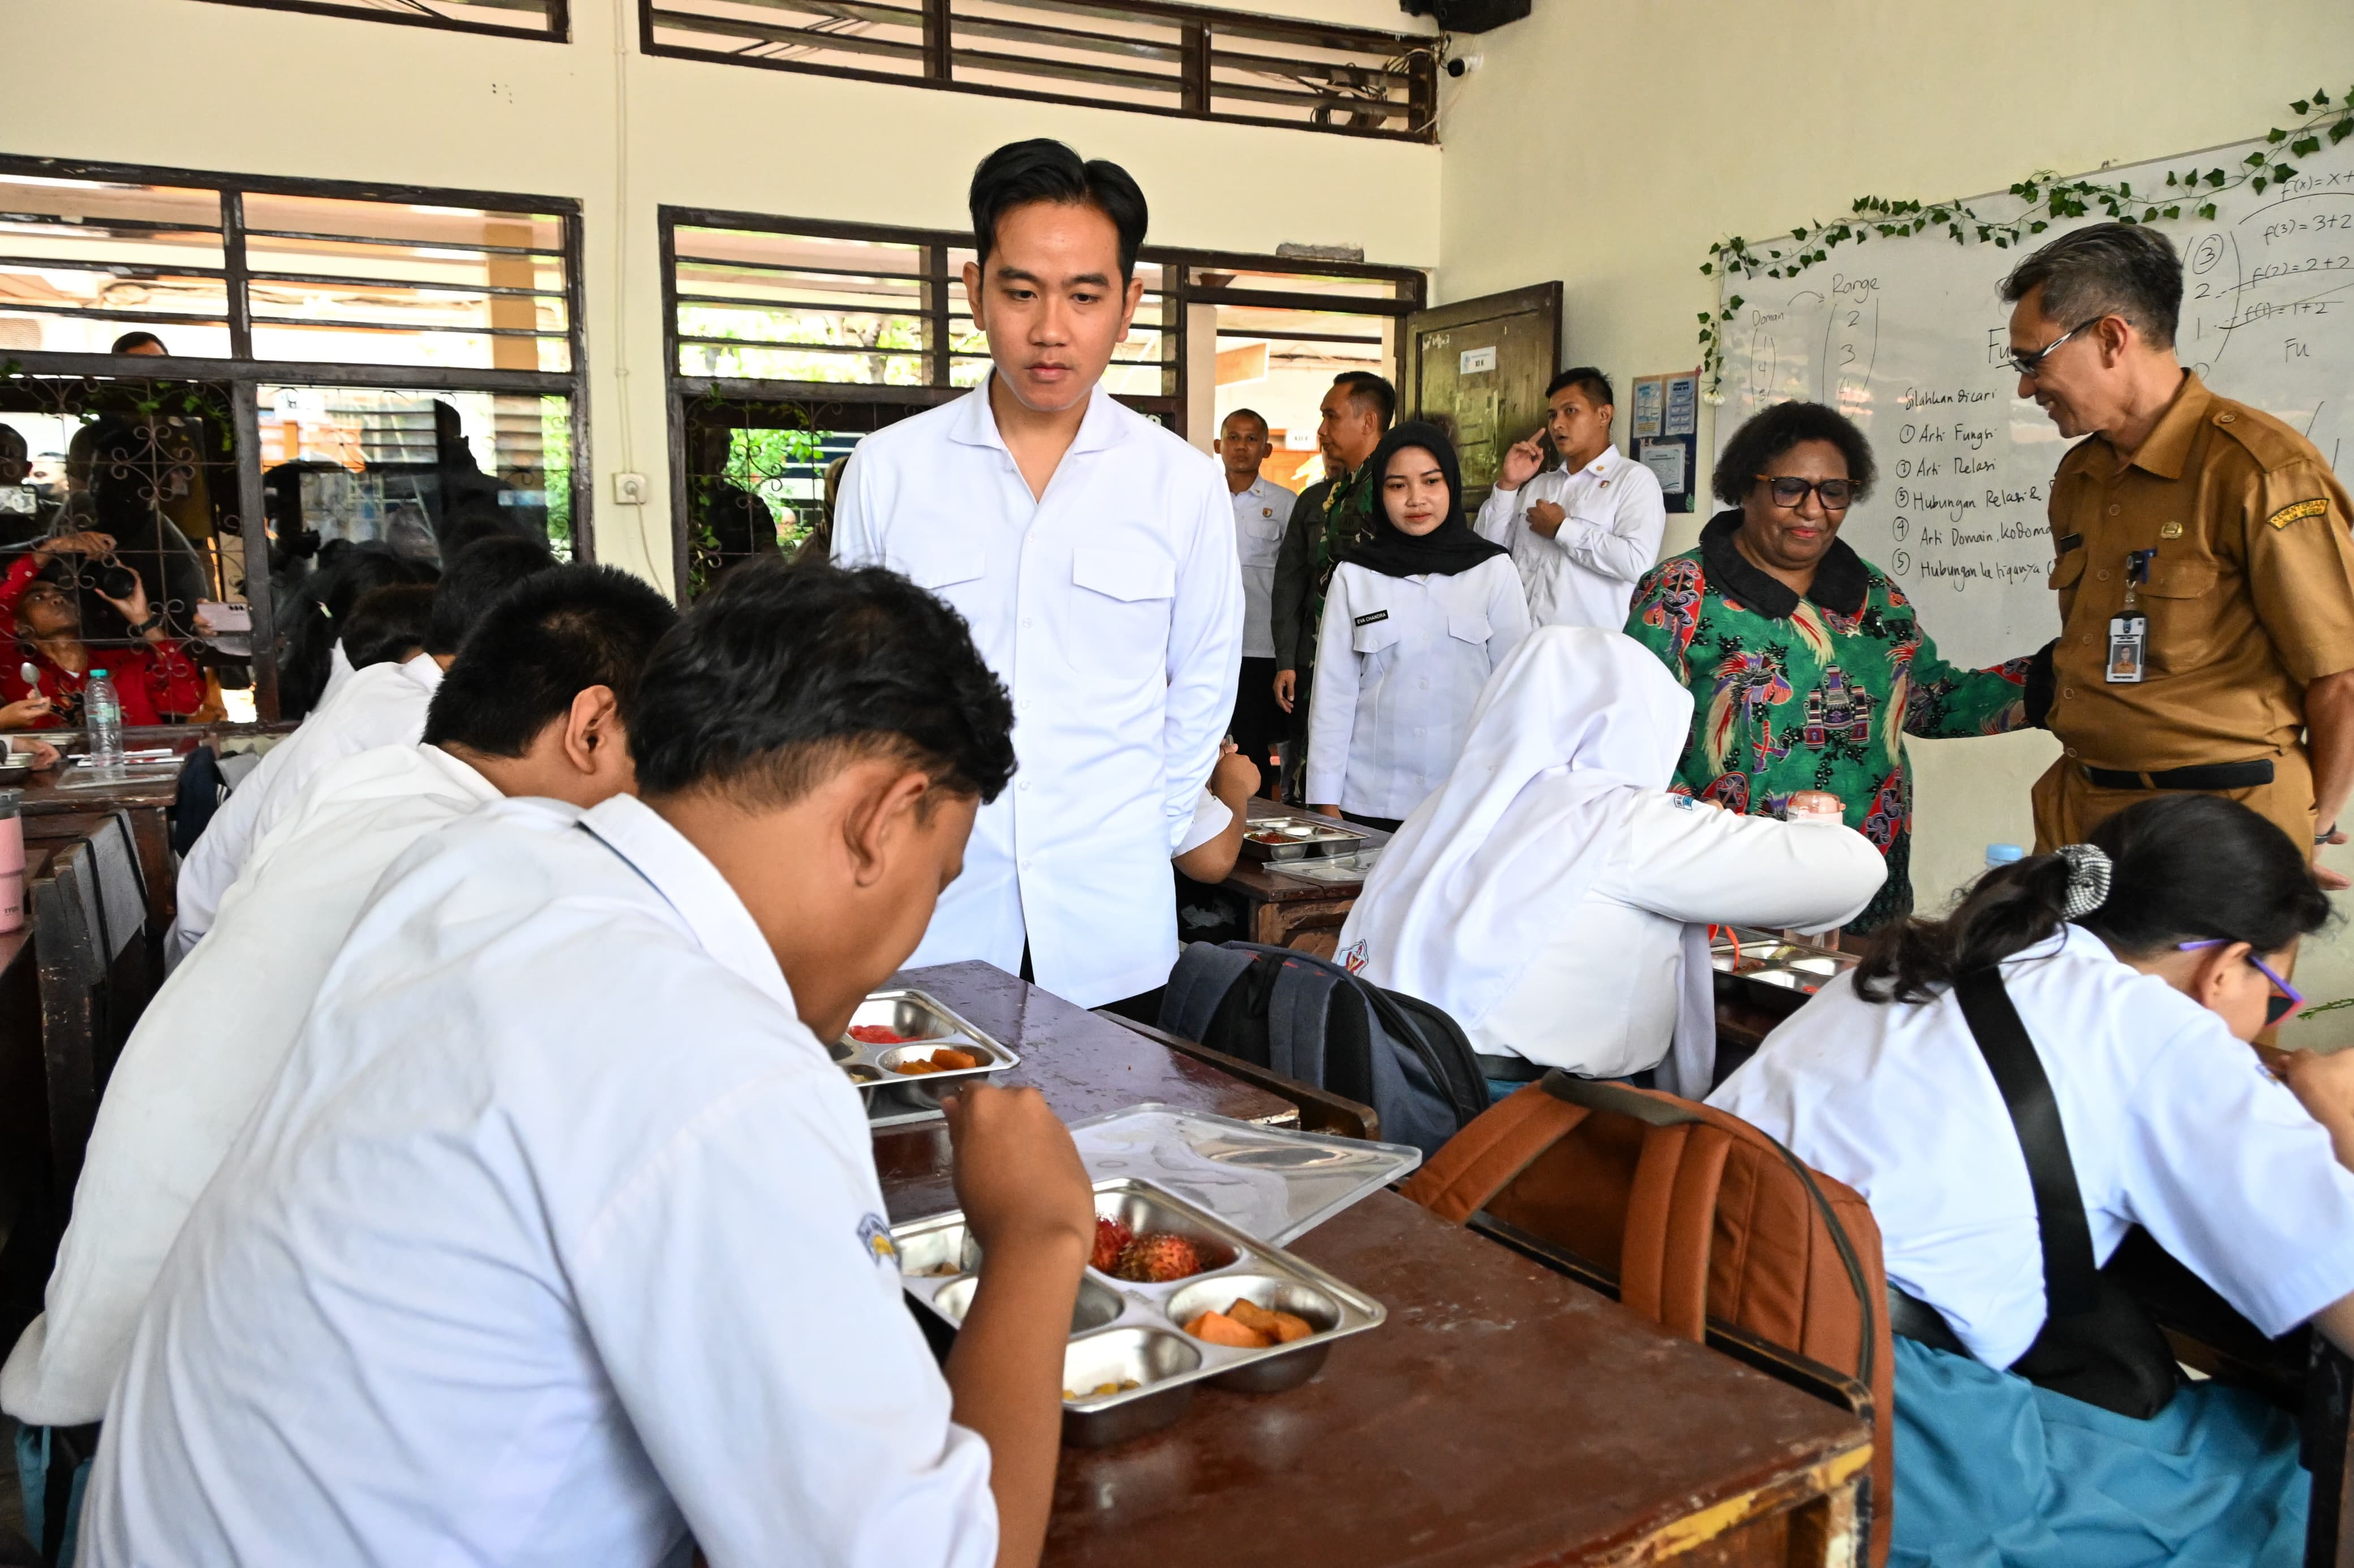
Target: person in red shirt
152, 673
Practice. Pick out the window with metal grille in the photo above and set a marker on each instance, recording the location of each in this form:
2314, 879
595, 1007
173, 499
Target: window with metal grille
508, 19
1160, 58
281, 369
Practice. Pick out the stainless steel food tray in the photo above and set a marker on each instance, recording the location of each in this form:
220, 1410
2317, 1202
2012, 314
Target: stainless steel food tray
1122, 1329
1301, 837
927, 1022
1774, 972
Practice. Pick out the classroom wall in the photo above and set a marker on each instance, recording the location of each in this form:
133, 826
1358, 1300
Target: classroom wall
229, 89
1610, 144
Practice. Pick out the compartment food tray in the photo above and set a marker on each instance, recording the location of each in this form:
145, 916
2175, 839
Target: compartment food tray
1289, 837
1124, 1331
1775, 972
927, 1024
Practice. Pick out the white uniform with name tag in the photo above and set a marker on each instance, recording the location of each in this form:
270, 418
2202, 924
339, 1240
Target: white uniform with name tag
1112, 609
1402, 661
1585, 574
559, 1238
1261, 515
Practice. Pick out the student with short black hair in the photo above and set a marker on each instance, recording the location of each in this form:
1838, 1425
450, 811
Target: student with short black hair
1092, 552
387, 626
382, 707
2118, 980
530, 707
313, 664
559, 1237
1583, 534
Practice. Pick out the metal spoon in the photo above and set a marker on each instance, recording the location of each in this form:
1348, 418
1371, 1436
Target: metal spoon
31, 677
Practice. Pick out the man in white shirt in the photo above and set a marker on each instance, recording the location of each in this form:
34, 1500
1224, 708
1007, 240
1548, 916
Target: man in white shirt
1585, 533
381, 706
1092, 553
1262, 513
529, 708
558, 1239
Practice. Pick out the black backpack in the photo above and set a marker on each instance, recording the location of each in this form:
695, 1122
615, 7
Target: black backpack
1311, 1019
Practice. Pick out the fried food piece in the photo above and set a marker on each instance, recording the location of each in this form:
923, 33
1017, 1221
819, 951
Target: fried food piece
1217, 1329
1158, 1258
1282, 1328
950, 1060
1291, 1328
1111, 1239
917, 1067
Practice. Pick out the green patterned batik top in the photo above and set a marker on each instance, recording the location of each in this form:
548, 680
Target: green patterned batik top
1792, 693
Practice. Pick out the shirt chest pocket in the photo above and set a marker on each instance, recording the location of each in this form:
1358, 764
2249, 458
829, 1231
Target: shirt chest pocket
2179, 600
1120, 617
942, 568
1261, 538
1469, 626
1376, 636
2067, 571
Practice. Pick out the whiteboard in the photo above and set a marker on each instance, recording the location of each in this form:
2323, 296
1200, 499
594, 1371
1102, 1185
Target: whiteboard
1909, 337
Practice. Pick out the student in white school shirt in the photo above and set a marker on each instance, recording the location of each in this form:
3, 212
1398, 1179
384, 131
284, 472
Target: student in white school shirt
1583, 533
529, 707
2138, 965
1418, 615
559, 1240
1553, 897
1093, 555
381, 706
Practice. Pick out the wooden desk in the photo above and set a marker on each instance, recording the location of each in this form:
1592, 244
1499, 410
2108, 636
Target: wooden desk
1082, 1064
1278, 907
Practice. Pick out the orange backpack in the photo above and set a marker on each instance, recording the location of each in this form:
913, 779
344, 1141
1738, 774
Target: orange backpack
1696, 1216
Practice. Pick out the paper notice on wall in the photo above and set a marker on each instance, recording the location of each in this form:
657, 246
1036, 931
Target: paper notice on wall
1683, 405
1649, 393
1666, 461
1472, 361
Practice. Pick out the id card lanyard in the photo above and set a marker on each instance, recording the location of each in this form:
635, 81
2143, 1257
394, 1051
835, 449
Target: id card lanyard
2129, 629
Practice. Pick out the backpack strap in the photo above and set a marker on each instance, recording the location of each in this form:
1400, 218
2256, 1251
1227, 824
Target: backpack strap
2069, 1275
1204, 973
1297, 1011
1482, 1160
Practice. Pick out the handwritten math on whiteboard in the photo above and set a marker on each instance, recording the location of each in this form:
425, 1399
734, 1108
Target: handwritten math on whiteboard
1909, 338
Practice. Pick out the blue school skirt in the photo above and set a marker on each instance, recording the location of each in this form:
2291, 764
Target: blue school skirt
1993, 1472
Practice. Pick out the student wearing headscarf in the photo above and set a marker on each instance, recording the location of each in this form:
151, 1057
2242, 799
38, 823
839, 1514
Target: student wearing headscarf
1420, 612
1553, 897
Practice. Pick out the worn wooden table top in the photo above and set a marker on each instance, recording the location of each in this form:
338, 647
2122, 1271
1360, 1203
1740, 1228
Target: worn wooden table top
1081, 1063
1260, 879
1502, 1416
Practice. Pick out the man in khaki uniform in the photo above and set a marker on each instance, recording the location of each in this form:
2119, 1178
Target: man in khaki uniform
2201, 556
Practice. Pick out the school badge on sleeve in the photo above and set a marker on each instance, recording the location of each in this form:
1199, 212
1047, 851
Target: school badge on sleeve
878, 1237
2296, 509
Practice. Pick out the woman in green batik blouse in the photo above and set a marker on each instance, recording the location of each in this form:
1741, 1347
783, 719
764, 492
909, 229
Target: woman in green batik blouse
1807, 667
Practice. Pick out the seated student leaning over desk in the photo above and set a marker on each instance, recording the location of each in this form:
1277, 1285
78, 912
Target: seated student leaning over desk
606, 1264
2138, 965
529, 708
1214, 842
1553, 897
380, 707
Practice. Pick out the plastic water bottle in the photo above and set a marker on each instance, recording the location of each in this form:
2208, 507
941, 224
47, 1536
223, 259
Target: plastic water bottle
101, 712
12, 860
2003, 854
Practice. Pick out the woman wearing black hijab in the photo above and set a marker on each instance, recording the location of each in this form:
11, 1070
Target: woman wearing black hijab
1418, 614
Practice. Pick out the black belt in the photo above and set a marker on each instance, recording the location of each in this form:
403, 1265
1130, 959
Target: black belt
2209, 775
1916, 1319
1512, 1069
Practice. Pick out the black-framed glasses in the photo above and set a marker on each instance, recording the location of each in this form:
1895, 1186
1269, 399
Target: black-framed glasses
2028, 364
1788, 489
2275, 1007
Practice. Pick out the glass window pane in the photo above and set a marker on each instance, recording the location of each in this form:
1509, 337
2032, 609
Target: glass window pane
527, 16
873, 36
865, 299
84, 261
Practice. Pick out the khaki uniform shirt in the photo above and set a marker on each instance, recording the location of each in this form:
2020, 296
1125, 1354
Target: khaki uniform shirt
2250, 597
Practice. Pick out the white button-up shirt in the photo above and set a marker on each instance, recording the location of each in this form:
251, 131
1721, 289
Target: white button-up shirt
1112, 611
1585, 574
1400, 663
2173, 1125
205, 1051
558, 1238
383, 704
1261, 513
1600, 996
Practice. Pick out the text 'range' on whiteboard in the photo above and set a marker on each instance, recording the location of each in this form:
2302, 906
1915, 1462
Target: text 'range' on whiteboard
1909, 338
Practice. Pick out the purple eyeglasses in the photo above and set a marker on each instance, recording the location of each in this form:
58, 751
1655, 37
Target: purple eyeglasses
2275, 1007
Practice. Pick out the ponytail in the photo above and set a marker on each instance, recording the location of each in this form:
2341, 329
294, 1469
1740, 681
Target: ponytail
2178, 868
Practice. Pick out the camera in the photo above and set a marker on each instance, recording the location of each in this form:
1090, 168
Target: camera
116, 580
1462, 66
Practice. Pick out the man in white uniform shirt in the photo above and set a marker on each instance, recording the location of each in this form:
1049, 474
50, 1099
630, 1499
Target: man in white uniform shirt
530, 707
559, 1240
1092, 553
1262, 513
1583, 534
381, 706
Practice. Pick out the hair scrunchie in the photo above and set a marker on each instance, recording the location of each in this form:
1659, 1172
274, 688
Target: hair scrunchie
2089, 870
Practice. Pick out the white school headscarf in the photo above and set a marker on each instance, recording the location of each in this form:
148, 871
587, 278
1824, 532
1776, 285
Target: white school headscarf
1573, 727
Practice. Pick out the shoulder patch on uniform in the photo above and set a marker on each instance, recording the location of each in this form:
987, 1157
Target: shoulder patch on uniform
2295, 510
878, 1237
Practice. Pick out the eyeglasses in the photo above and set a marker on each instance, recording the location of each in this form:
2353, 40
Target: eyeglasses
2275, 1007
2028, 364
1789, 491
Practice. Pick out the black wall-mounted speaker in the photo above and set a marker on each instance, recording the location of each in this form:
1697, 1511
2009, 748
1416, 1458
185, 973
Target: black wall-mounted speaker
1467, 16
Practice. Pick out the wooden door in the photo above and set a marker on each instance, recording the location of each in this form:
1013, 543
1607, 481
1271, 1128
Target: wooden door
1478, 368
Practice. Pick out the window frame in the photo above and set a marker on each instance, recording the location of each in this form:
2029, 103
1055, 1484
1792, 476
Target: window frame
557, 31
1200, 22
1412, 285
244, 374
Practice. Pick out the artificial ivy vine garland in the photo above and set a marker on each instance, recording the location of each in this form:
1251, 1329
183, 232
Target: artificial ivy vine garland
2048, 198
